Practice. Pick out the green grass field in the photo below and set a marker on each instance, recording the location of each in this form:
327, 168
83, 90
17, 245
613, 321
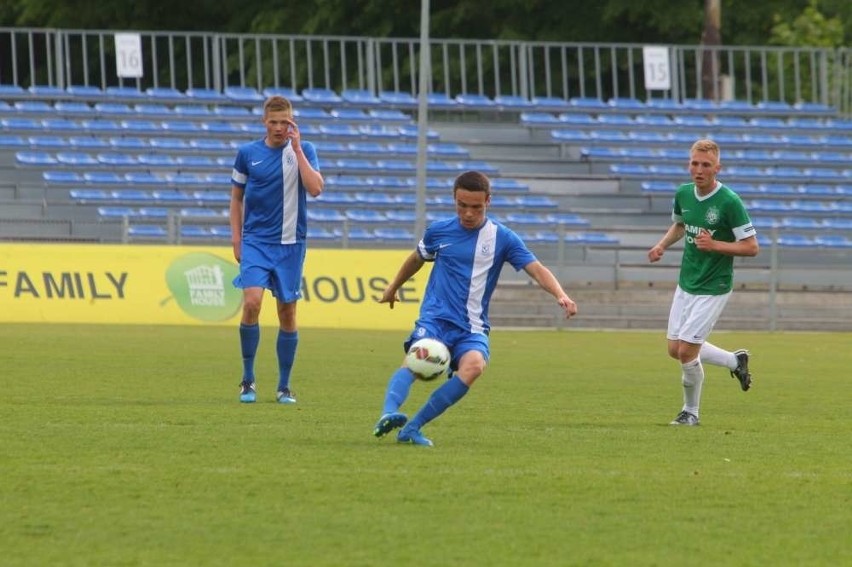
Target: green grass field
127, 446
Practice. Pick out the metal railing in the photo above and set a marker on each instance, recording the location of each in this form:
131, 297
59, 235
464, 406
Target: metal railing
182, 60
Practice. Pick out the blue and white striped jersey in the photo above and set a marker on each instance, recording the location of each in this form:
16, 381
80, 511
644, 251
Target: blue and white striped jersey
274, 200
467, 266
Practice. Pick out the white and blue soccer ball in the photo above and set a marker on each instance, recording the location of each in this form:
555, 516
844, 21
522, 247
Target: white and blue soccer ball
427, 358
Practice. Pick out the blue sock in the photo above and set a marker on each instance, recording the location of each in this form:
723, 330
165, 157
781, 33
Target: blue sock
398, 388
286, 347
446, 395
249, 339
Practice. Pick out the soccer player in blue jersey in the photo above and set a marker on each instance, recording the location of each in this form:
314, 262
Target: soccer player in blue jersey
716, 227
468, 252
271, 179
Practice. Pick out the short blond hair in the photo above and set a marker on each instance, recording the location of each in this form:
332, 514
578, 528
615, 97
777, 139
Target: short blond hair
706, 145
277, 103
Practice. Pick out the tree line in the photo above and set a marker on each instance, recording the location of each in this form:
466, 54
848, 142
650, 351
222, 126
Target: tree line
818, 23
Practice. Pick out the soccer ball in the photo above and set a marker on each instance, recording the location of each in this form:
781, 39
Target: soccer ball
427, 358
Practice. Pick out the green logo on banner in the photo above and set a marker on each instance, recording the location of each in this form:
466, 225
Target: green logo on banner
201, 285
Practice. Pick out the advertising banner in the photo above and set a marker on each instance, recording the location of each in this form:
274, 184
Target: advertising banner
187, 285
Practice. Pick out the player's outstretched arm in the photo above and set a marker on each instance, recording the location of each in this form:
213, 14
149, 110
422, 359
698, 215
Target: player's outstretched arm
672, 235
548, 282
409, 267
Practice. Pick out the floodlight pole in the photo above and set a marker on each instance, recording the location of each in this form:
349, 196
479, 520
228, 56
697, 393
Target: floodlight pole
422, 123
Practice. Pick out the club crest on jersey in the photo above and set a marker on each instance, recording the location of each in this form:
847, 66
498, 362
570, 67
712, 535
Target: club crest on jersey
289, 159
486, 249
711, 217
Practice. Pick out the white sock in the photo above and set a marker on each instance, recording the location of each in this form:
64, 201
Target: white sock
693, 378
711, 354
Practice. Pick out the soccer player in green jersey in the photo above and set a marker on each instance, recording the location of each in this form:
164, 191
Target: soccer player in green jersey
716, 227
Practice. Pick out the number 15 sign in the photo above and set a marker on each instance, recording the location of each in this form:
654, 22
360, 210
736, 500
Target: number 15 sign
657, 71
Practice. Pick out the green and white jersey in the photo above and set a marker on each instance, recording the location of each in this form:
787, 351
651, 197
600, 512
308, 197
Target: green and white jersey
724, 216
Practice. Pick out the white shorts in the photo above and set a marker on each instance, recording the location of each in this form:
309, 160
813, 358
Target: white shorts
692, 317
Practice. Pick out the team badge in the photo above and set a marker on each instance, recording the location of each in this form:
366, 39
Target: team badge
711, 217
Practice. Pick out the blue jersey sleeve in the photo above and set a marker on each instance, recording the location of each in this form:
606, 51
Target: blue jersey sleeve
517, 253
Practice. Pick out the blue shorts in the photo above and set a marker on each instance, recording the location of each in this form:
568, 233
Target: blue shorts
276, 267
459, 341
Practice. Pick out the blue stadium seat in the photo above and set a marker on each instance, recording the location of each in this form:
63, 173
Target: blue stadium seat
539, 118
89, 195
116, 212
194, 231
47, 142
320, 233
625, 103
567, 219
476, 101
46, 91
700, 104
157, 160
85, 91
229, 111
375, 198
33, 107
774, 106
318, 95
287, 93
62, 177
537, 202
101, 125
143, 178
192, 111
103, 178
441, 101
577, 119
210, 145
666, 104
360, 97
60, 124
210, 197
221, 231
587, 103
339, 130
158, 213
136, 195
75, 108
526, 218
176, 143
20, 124
165, 94
129, 143
205, 95
77, 159
146, 127
574, 136
355, 233
147, 231
245, 95
14, 142
832, 241
591, 238
119, 108
38, 159
388, 115
512, 102
117, 159
366, 215
395, 98
117, 92
548, 103
325, 215
408, 216
508, 184
88, 142
393, 233
350, 114
796, 241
